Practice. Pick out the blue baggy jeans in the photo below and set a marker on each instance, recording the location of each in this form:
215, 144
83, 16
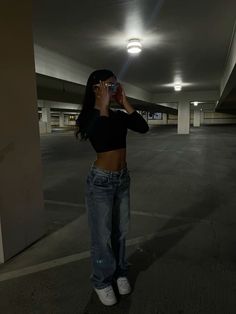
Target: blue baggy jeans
108, 206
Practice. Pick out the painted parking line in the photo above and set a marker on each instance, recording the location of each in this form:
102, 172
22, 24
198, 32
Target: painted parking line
64, 203
187, 223
180, 218
135, 212
86, 254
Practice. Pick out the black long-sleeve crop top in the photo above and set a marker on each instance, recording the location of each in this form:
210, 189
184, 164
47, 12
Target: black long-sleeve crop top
108, 133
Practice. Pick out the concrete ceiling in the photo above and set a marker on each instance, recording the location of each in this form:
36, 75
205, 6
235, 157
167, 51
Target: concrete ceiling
181, 38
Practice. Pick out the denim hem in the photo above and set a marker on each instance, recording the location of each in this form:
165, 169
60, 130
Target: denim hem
102, 286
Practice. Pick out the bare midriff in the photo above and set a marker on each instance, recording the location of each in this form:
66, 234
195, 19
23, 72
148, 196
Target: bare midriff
113, 160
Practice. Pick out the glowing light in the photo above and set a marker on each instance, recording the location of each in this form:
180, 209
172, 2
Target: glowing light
195, 103
178, 87
134, 46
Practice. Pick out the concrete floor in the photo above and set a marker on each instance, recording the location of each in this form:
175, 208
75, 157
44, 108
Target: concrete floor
182, 242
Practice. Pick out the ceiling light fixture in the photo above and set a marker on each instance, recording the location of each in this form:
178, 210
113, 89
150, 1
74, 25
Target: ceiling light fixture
134, 46
178, 87
195, 103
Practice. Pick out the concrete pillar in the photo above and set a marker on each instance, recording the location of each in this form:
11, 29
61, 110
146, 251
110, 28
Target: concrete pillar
66, 120
42, 127
61, 120
196, 117
46, 117
164, 119
21, 197
183, 117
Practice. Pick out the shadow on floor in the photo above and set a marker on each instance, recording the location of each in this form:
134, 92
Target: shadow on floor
150, 251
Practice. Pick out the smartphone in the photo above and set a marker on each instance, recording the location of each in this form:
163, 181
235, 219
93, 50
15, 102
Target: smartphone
112, 87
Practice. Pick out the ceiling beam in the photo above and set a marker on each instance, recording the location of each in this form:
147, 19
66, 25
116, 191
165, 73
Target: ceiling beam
230, 61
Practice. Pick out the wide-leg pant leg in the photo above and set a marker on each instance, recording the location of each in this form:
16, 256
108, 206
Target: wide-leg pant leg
120, 225
99, 202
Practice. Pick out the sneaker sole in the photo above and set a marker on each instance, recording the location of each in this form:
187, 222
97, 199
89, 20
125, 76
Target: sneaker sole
124, 293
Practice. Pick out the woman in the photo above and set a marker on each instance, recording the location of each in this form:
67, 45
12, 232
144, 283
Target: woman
108, 182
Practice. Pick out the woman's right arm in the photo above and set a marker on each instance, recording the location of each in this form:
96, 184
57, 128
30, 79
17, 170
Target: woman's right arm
102, 99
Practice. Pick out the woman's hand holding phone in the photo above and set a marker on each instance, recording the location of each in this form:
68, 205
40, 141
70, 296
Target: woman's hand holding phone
102, 98
122, 100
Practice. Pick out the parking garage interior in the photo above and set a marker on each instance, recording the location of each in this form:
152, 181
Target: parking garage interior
182, 238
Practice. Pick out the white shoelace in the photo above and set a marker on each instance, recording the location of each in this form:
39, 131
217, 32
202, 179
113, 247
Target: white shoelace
109, 292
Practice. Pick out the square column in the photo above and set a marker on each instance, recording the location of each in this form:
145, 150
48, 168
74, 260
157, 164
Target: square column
66, 120
183, 117
164, 118
61, 120
21, 196
46, 117
196, 117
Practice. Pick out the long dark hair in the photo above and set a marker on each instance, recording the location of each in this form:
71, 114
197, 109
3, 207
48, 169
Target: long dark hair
83, 121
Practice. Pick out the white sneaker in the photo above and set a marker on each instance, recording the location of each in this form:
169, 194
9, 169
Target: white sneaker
106, 295
123, 285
